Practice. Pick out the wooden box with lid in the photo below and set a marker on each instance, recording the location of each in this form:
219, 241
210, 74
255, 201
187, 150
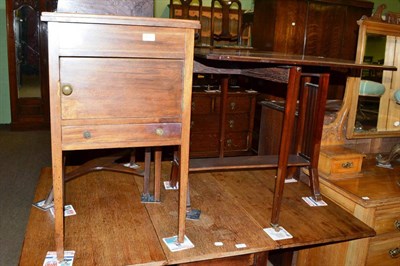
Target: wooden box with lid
337, 161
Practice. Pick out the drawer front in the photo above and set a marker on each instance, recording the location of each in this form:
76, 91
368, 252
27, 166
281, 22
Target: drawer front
203, 103
236, 141
237, 122
103, 136
121, 41
383, 249
204, 142
121, 88
205, 123
387, 219
348, 165
239, 103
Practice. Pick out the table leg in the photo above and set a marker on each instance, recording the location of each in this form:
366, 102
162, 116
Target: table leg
287, 136
323, 85
157, 173
222, 117
58, 185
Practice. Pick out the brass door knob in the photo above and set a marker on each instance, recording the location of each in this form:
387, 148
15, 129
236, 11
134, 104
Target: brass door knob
67, 89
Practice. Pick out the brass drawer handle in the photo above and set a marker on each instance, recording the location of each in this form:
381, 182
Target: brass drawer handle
347, 165
231, 123
191, 124
397, 225
193, 105
87, 135
233, 105
67, 89
394, 253
159, 131
229, 142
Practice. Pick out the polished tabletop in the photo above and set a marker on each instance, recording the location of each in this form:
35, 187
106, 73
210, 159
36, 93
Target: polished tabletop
256, 56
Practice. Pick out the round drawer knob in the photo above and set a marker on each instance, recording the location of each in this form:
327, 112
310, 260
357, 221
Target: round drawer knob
397, 225
67, 89
229, 142
394, 253
396, 124
87, 135
159, 131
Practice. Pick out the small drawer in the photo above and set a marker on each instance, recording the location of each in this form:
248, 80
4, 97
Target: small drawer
203, 103
204, 142
207, 123
85, 39
384, 250
349, 165
237, 122
339, 160
237, 141
238, 103
387, 219
122, 135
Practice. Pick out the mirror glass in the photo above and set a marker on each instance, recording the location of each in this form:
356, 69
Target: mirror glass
370, 92
26, 32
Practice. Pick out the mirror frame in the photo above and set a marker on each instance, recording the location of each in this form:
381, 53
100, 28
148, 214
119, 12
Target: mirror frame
28, 113
391, 29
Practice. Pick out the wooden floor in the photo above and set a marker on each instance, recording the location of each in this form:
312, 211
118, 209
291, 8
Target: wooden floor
112, 226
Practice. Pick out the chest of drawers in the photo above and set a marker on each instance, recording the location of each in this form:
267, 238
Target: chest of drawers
118, 82
218, 128
374, 198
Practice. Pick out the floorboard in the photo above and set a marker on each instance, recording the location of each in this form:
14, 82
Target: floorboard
112, 226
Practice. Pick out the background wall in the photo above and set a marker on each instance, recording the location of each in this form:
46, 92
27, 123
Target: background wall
5, 113
160, 10
392, 5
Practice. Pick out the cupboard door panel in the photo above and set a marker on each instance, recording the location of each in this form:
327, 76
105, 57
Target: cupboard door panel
131, 83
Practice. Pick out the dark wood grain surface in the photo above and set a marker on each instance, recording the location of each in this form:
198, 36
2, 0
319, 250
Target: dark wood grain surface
112, 227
